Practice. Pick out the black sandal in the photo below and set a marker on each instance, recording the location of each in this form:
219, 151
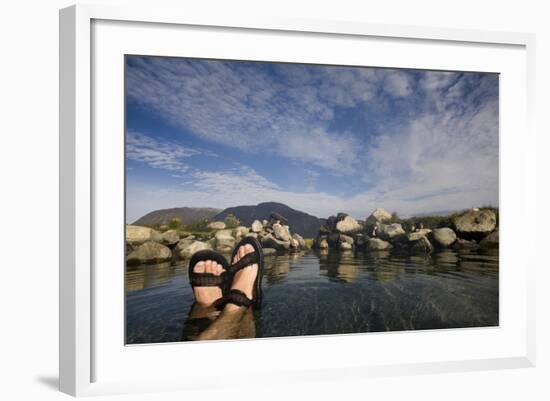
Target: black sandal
209, 279
238, 297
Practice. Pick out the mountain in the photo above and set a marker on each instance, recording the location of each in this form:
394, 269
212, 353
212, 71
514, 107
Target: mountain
187, 215
302, 223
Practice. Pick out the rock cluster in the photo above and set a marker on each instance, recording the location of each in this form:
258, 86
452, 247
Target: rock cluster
145, 245
474, 228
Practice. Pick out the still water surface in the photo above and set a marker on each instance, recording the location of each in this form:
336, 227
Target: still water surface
333, 293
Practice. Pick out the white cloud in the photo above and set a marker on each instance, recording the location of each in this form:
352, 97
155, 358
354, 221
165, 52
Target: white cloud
441, 155
157, 154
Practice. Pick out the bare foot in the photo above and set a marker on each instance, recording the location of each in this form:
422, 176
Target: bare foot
207, 295
244, 278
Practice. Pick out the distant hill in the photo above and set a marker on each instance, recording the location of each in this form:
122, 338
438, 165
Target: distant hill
302, 223
187, 215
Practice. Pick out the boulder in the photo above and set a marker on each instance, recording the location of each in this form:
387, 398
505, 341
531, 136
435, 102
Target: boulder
294, 244
323, 243
376, 244
216, 225
389, 231
270, 241
379, 215
475, 224
422, 245
282, 232
464, 244
300, 239
149, 252
490, 241
345, 246
138, 235
269, 251
277, 218
170, 237
186, 248
443, 237
241, 231
359, 240
348, 225
346, 239
256, 226
225, 241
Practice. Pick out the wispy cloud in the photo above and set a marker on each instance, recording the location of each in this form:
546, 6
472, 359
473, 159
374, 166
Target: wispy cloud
409, 141
156, 154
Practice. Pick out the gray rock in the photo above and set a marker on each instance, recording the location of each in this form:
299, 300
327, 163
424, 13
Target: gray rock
389, 231
186, 248
149, 252
270, 241
170, 237
348, 225
241, 231
256, 226
281, 232
464, 244
269, 251
225, 241
216, 225
379, 215
443, 237
346, 239
376, 244
422, 245
346, 246
276, 217
490, 241
476, 223
136, 235
300, 239
323, 244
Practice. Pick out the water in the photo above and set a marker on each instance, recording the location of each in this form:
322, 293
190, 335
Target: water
332, 293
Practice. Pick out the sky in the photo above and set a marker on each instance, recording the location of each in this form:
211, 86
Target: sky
321, 139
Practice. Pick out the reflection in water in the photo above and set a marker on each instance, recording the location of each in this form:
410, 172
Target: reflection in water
320, 292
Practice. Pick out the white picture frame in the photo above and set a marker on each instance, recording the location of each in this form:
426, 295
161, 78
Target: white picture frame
82, 317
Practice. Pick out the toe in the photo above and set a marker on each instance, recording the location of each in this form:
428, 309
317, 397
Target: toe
215, 269
199, 267
208, 266
248, 249
242, 251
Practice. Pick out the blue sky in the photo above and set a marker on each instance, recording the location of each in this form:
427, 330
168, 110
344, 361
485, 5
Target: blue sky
321, 139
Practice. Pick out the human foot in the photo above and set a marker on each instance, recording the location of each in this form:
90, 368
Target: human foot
245, 278
207, 295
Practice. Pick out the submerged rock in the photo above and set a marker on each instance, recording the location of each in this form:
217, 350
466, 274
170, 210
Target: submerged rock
464, 244
148, 253
269, 251
490, 241
376, 244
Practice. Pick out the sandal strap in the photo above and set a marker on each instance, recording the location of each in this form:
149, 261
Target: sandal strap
247, 260
206, 280
236, 297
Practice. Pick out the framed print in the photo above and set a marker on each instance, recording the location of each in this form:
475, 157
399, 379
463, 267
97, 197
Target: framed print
309, 191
